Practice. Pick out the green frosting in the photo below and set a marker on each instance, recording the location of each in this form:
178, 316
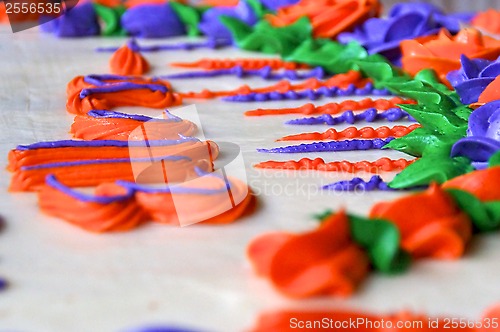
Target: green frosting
258, 8
111, 17
485, 216
189, 16
382, 241
494, 160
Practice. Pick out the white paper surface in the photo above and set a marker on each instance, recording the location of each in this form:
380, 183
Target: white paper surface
65, 279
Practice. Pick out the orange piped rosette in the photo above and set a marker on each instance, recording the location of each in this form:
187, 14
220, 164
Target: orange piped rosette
127, 60
483, 184
328, 17
430, 223
442, 52
324, 261
488, 21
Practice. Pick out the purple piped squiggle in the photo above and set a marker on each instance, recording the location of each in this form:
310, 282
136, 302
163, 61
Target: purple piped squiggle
238, 71
103, 143
184, 46
310, 94
370, 115
358, 184
125, 86
334, 146
137, 117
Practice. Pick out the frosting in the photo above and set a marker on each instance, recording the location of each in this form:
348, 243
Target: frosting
347, 145
333, 108
110, 15
370, 115
244, 63
109, 125
107, 92
435, 228
328, 17
128, 61
152, 21
476, 81
323, 261
358, 184
353, 132
186, 46
80, 21
276, 4
382, 164
481, 184
405, 21
488, 21
442, 52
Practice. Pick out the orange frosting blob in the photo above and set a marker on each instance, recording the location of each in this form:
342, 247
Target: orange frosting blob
324, 261
430, 223
481, 183
126, 61
442, 52
488, 21
328, 17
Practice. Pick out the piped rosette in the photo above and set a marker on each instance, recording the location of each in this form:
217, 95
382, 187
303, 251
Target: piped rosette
120, 206
90, 163
110, 125
86, 93
127, 60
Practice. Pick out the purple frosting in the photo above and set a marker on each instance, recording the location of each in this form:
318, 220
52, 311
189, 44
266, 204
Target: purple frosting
405, 21
358, 184
212, 27
79, 21
483, 135
152, 21
186, 46
277, 4
347, 145
473, 77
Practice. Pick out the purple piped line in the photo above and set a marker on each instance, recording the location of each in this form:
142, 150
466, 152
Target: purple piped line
265, 73
102, 143
370, 115
358, 184
124, 86
117, 115
103, 161
99, 79
52, 181
211, 43
311, 94
333, 146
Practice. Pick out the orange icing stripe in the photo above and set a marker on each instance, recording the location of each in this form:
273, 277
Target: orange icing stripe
340, 80
334, 108
92, 128
430, 223
322, 261
353, 132
318, 164
245, 63
481, 183
127, 62
107, 101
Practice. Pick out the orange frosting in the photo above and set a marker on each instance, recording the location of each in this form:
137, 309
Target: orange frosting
353, 132
334, 108
93, 217
481, 183
328, 17
488, 21
491, 93
3, 15
324, 261
245, 63
442, 52
139, 97
340, 81
430, 223
318, 164
125, 61
94, 128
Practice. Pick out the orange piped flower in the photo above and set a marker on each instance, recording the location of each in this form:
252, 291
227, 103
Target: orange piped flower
430, 223
488, 21
324, 261
128, 61
328, 17
481, 183
442, 52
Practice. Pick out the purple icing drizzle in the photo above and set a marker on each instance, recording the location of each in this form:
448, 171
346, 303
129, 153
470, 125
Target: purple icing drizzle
310, 94
358, 184
347, 145
370, 115
103, 143
265, 72
210, 43
124, 86
103, 161
137, 117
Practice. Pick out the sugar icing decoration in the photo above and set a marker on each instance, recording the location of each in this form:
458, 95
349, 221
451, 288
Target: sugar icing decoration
346, 145
128, 61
